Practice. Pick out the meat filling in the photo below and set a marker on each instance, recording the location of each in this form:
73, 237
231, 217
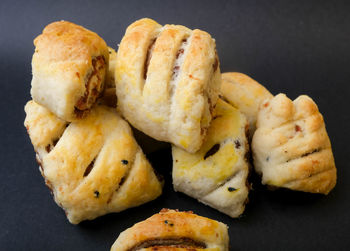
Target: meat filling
93, 86
181, 242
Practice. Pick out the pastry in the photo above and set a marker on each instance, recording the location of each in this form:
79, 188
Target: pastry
174, 230
92, 166
245, 94
167, 81
291, 148
110, 80
69, 67
217, 174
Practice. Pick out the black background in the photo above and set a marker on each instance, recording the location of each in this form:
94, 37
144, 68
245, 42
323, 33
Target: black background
295, 47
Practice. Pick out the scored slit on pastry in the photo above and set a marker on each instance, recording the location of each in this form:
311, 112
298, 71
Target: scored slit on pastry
96, 167
148, 57
177, 65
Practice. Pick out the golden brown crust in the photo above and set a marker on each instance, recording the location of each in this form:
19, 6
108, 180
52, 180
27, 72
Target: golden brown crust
62, 41
168, 79
69, 67
200, 231
95, 166
245, 94
291, 147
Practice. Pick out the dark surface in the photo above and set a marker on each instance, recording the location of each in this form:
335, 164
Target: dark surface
296, 47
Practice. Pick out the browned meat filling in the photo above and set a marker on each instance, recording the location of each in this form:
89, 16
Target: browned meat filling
93, 86
181, 242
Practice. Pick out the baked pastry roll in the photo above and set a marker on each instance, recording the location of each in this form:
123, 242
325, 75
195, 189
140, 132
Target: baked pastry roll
110, 80
291, 148
244, 93
69, 66
174, 230
217, 174
167, 81
92, 166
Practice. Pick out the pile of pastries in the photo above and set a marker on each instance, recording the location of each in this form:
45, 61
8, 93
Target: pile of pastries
166, 82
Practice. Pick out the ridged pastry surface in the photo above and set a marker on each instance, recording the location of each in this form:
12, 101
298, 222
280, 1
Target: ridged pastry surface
93, 166
291, 147
167, 81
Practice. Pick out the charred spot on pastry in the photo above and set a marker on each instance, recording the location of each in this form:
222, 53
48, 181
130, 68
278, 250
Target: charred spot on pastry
231, 189
237, 144
267, 158
215, 148
96, 194
89, 168
124, 161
